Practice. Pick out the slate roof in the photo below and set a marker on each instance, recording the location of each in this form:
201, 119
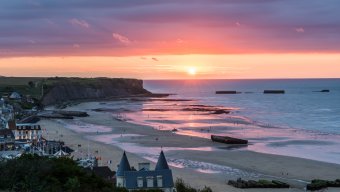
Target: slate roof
131, 178
161, 163
124, 165
27, 126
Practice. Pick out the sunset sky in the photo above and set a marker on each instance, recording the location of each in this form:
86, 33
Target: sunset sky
177, 39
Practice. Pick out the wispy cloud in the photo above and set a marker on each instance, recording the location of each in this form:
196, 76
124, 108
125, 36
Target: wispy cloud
154, 58
300, 30
179, 41
32, 41
76, 46
121, 38
79, 22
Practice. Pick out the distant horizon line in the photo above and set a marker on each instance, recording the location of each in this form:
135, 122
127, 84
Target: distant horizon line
190, 79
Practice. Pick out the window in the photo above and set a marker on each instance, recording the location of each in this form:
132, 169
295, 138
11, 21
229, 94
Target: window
140, 182
149, 181
159, 181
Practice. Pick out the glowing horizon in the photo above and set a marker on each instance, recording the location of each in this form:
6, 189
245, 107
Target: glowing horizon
263, 66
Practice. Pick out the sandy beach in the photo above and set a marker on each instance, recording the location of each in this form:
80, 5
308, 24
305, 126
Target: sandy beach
191, 158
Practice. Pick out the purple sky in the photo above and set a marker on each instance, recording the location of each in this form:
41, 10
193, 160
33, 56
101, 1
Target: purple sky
140, 27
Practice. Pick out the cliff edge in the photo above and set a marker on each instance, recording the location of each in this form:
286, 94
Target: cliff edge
59, 90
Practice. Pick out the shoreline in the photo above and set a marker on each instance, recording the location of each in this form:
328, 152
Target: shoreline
291, 168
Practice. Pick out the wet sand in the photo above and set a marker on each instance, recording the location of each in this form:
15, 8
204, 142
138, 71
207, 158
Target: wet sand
200, 157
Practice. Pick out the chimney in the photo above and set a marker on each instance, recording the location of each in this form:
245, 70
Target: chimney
145, 166
12, 125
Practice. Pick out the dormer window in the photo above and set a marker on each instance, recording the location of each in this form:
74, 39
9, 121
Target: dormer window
140, 182
149, 181
159, 181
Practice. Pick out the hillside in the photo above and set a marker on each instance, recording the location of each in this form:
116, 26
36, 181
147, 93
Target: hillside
59, 89
68, 89
24, 85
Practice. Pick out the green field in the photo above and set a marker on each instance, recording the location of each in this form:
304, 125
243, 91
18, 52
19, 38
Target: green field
21, 85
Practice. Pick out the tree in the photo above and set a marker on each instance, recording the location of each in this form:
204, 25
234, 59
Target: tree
31, 84
35, 173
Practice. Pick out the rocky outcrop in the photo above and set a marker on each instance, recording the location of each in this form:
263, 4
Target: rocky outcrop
243, 184
318, 184
59, 90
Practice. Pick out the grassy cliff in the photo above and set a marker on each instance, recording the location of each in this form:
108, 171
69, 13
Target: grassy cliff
59, 89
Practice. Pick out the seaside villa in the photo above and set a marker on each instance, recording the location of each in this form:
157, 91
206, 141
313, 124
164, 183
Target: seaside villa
144, 178
25, 131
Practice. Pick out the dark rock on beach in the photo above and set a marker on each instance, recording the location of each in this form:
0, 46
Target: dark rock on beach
72, 113
220, 111
243, 184
318, 184
62, 114
212, 110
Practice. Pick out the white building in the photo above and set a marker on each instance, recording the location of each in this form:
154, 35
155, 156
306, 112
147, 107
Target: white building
26, 131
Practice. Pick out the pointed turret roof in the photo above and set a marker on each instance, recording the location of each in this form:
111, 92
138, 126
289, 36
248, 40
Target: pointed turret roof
124, 165
161, 163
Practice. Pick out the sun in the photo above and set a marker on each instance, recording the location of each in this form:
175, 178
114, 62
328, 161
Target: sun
192, 71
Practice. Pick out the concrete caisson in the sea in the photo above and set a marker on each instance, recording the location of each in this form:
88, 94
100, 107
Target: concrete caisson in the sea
274, 91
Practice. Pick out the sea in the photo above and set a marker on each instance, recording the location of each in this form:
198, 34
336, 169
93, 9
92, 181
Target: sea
302, 106
303, 122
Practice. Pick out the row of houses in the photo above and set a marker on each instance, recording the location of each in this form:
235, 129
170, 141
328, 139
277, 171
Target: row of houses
18, 138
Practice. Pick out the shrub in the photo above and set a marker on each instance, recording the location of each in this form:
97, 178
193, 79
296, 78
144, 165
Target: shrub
181, 186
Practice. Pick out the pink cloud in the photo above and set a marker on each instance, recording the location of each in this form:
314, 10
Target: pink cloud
120, 38
76, 46
32, 41
300, 30
79, 22
179, 41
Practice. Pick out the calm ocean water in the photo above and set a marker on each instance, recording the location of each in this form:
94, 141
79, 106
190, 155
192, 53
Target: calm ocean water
301, 107
300, 123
